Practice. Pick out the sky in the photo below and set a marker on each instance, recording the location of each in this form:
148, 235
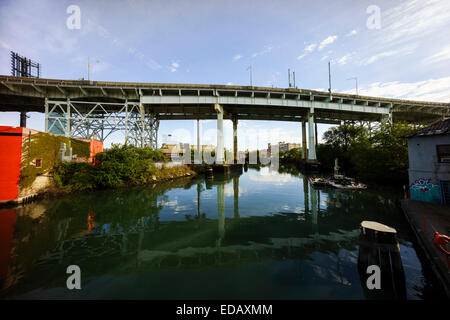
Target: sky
394, 48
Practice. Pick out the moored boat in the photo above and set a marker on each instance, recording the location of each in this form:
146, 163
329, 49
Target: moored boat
320, 182
347, 183
342, 182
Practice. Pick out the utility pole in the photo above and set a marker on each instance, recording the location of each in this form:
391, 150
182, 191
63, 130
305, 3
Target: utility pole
329, 76
289, 77
251, 82
356, 79
294, 79
89, 68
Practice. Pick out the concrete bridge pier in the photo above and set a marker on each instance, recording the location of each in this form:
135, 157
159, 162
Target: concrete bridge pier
312, 142
304, 145
220, 148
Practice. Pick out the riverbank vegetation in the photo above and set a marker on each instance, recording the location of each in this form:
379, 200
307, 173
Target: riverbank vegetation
116, 167
379, 155
292, 156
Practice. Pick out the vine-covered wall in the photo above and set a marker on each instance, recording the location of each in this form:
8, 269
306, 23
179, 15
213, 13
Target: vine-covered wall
45, 146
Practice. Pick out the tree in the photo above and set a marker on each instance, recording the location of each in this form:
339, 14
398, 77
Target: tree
381, 158
343, 136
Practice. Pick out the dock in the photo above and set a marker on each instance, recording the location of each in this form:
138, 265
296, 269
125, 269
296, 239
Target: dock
425, 219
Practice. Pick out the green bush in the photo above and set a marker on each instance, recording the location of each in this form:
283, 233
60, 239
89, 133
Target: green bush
291, 156
117, 166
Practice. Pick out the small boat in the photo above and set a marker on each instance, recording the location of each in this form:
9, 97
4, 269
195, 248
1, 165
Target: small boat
342, 182
319, 182
346, 183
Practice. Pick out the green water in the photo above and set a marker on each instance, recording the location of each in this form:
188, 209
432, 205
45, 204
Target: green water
259, 235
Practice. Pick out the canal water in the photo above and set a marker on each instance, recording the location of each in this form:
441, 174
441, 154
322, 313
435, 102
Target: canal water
256, 235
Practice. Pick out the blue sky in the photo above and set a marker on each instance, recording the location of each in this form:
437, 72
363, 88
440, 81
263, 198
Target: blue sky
213, 42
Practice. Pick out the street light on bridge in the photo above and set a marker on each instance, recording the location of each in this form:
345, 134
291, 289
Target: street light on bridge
89, 67
356, 79
250, 68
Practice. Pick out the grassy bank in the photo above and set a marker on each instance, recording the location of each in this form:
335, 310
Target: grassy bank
117, 167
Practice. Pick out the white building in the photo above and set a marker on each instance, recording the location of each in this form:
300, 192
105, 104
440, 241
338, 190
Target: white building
429, 163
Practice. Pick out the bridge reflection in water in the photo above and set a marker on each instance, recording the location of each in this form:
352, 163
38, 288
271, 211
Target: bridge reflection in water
131, 234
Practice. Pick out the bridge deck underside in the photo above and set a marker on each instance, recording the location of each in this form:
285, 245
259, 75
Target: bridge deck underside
192, 101
203, 112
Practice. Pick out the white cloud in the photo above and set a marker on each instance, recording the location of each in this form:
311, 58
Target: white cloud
416, 18
229, 83
323, 58
308, 49
351, 33
93, 27
311, 47
267, 49
437, 90
5, 45
237, 57
343, 60
442, 55
398, 52
327, 42
174, 66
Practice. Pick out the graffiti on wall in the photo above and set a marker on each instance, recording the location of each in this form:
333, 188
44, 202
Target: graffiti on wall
425, 190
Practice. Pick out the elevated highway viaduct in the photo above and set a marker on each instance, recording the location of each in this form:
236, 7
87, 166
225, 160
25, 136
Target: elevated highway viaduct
79, 108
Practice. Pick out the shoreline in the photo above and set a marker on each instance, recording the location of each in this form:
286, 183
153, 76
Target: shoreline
53, 191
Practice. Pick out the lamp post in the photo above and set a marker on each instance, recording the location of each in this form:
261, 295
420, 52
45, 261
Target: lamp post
251, 82
356, 79
89, 67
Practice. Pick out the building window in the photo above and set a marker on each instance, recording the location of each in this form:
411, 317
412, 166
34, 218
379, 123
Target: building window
38, 162
443, 153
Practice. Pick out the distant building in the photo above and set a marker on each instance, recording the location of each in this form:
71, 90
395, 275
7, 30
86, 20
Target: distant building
171, 150
204, 147
284, 146
184, 146
429, 163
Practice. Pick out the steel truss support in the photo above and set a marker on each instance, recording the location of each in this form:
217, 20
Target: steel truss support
86, 119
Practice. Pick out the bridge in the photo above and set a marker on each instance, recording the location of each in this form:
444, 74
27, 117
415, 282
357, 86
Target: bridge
79, 108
